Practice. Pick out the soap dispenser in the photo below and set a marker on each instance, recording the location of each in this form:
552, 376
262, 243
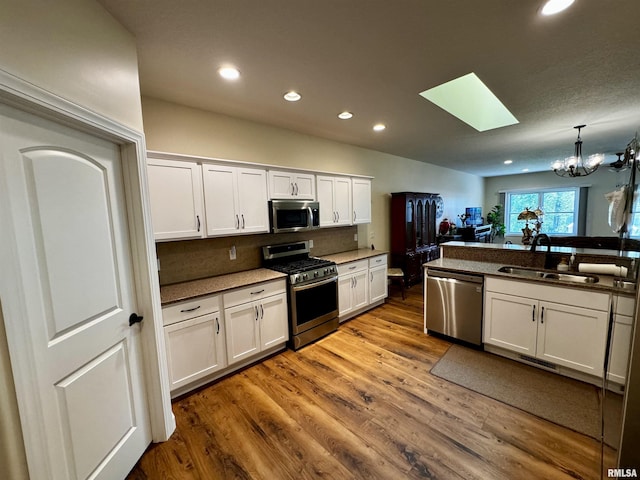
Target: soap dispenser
563, 266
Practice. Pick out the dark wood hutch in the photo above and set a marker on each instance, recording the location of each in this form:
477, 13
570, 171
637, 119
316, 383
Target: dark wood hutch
413, 233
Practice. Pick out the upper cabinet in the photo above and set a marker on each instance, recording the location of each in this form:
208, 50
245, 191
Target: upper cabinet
285, 185
175, 190
334, 196
361, 189
235, 200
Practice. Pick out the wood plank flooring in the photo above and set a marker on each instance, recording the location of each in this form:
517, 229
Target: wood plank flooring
361, 404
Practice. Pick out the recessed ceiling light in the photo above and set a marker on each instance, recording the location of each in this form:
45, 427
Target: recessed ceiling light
472, 102
292, 96
345, 115
379, 127
555, 6
508, 162
229, 73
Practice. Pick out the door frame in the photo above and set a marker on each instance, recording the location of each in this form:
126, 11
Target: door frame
25, 96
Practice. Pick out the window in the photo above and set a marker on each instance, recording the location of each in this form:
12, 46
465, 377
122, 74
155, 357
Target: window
560, 207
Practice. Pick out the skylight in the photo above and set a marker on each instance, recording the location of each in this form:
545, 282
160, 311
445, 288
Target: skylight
468, 99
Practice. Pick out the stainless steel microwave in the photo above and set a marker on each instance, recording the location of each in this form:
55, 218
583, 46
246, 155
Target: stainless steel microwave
293, 215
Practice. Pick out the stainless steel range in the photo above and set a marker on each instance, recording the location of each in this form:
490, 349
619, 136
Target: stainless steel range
312, 292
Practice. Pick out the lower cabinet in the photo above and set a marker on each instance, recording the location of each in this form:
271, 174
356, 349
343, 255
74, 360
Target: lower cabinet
621, 339
256, 319
194, 340
563, 326
361, 283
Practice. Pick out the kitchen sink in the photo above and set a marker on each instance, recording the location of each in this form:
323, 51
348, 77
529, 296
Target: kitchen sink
546, 274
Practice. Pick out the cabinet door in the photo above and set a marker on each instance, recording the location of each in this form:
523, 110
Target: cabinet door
243, 331
195, 348
280, 185
252, 200
377, 283
361, 200
574, 337
510, 322
304, 186
345, 299
360, 290
342, 200
325, 187
620, 346
274, 321
175, 190
220, 200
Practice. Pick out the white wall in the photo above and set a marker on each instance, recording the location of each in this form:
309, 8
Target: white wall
179, 129
76, 50
600, 182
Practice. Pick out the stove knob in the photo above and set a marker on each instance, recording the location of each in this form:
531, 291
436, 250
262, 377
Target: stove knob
326, 270
316, 273
296, 278
305, 276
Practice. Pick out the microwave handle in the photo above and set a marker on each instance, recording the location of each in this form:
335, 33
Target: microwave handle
310, 223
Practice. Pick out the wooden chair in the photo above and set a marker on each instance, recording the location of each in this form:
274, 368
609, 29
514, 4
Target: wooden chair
396, 275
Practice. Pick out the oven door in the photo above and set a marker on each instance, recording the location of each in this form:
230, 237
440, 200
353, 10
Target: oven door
313, 304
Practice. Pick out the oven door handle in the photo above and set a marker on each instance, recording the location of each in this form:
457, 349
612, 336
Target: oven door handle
315, 284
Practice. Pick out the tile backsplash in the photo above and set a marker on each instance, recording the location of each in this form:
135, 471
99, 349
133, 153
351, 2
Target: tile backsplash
185, 260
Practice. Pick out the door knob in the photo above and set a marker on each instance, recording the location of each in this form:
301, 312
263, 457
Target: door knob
134, 318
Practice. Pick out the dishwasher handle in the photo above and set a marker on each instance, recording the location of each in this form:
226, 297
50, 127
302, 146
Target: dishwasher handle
445, 275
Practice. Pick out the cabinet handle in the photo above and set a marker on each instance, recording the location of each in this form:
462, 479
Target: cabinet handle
355, 282
217, 326
237, 222
261, 311
354, 215
242, 220
296, 188
293, 190
351, 268
338, 215
371, 276
256, 307
198, 220
533, 315
190, 309
256, 293
542, 315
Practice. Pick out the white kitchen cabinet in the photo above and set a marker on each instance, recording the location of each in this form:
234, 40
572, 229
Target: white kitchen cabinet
285, 185
621, 340
255, 319
361, 190
378, 289
194, 340
175, 190
564, 326
334, 196
353, 286
235, 200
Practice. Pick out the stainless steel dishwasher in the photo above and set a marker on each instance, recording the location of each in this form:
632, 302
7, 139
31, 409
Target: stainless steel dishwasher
454, 304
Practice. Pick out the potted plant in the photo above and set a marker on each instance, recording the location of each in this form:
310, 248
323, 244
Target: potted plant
495, 218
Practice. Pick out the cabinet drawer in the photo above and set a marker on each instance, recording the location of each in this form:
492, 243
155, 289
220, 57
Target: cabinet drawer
190, 309
353, 267
625, 305
253, 292
377, 261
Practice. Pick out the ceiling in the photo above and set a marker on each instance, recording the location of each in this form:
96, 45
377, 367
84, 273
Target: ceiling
373, 57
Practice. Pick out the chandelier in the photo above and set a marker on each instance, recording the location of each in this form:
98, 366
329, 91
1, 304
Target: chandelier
576, 166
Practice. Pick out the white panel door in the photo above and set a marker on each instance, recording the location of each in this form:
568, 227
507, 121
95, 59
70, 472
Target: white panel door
361, 200
220, 200
175, 189
243, 331
69, 223
281, 185
325, 187
511, 322
304, 186
274, 323
252, 200
377, 283
342, 200
345, 297
360, 290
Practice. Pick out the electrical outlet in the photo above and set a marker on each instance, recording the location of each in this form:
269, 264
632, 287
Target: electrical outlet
232, 253
355, 237
310, 243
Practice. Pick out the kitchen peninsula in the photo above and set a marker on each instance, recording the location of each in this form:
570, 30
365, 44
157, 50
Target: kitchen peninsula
542, 316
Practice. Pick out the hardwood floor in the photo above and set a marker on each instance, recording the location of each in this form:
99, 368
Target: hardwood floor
361, 404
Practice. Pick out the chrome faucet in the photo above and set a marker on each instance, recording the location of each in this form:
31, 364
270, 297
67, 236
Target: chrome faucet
540, 239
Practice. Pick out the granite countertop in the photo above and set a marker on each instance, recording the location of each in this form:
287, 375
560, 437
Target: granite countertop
605, 282
206, 286
353, 255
